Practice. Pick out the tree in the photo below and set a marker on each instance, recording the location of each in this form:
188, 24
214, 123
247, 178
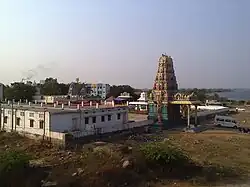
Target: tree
50, 87
149, 92
115, 91
19, 91
63, 89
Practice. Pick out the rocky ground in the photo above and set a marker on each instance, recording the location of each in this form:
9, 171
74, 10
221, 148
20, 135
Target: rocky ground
222, 156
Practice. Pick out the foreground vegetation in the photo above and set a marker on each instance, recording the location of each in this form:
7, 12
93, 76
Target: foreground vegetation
209, 158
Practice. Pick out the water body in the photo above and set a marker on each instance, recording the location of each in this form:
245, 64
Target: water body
237, 94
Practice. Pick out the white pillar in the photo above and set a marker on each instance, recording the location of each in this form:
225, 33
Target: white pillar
69, 103
188, 116
26, 101
54, 105
62, 106
57, 103
29, 103
82, 104
97, 105
8, 102
127, 103
35, 101
113, 103
196, 118
78, 106
41, 104
18, 103
90, 103
105, 102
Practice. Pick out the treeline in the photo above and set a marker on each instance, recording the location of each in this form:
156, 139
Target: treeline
20, 90
207, 90
202, 94
23, 91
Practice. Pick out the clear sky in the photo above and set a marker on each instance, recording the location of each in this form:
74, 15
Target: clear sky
120, 41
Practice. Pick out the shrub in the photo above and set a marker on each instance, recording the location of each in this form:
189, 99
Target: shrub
164, 154
12, 161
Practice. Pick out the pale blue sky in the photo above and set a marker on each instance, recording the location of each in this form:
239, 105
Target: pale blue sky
120, 41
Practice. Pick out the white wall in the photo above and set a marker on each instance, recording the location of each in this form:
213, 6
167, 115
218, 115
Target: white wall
64, 122
24, 125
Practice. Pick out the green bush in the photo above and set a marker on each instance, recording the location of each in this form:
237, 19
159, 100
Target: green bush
164, 154
12, 161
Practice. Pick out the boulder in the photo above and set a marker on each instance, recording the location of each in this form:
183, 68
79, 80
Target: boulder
49, 184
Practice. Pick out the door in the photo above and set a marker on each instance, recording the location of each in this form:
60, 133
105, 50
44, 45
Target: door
74, 124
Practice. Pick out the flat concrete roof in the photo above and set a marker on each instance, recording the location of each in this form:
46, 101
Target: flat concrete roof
58, 109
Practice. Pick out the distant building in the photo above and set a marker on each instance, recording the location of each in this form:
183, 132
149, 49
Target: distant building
77, 89
42, 81
98, 89
141, 104
125, 96
1, 91
213, 102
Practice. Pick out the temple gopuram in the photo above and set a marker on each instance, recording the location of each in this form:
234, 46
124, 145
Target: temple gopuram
165, 102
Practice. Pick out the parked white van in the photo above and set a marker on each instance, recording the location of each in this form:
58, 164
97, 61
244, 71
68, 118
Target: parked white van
225, 121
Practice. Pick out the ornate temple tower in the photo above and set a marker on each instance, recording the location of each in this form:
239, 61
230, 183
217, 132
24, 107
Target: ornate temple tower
164, 89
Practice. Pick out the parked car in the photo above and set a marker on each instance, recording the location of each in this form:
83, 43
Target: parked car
225, 121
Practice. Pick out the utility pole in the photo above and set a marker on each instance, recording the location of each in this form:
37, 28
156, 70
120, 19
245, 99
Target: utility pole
12, 116
0, 115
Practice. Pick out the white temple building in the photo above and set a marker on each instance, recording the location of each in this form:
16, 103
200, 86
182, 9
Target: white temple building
141, 104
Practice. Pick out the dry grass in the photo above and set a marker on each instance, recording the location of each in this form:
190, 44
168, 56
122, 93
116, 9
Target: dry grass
223, 155
230, 149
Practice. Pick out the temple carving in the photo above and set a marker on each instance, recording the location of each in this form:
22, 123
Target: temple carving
164, 90
165, 102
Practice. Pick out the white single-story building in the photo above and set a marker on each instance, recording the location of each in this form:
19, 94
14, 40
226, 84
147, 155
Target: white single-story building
55, 121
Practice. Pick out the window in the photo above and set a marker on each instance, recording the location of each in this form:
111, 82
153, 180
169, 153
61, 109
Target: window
5, 119
118, 116
218, 119
18, 121
109, 117
234, 121
41, 115
227, 120
93, 119
31, 114
103, 118
98, 130
31, 123
86, 120
41, 124
21, 113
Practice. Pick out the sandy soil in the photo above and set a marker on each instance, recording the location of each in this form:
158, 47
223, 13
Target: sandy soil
243, 117
137, 117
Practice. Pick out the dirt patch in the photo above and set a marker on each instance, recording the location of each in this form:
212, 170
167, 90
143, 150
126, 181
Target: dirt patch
219, 157
243, 117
